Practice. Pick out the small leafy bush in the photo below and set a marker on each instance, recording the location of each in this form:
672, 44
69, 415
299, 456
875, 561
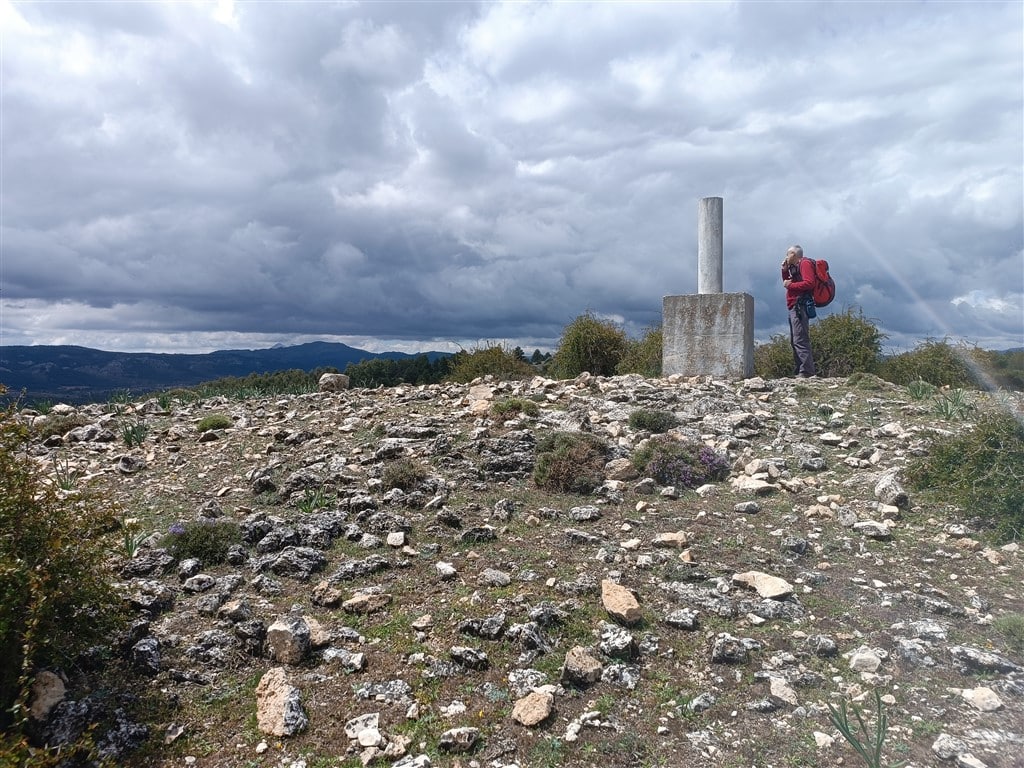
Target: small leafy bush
570, 462
513, 405
937, 362
680, 463
652, 420
980, 471
842, 343
589, 344
496, 360
56, 599
404, 474
214, 421
644, 355
206, 540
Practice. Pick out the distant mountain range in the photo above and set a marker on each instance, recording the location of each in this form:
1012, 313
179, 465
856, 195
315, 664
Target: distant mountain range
78, 374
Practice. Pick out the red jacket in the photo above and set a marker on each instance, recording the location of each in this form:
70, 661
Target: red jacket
803, 279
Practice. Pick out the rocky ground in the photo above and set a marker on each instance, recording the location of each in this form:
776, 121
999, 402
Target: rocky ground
474, 620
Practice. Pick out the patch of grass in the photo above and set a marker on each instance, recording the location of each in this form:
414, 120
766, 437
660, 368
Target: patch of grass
1011, 627
570, 462
404, 474
515, 405
314, 499
214, 421
655, 421
205, 540
953, 404
921, 390
134, 432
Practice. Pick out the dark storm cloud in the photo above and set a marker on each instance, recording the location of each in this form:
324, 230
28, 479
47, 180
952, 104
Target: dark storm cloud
198, 176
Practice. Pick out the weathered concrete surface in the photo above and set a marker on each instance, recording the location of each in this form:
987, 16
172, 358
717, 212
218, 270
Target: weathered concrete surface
708, 335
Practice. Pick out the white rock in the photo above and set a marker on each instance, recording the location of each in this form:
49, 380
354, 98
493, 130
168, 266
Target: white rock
982, 699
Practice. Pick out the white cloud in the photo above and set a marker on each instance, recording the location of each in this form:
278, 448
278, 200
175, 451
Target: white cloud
182, 173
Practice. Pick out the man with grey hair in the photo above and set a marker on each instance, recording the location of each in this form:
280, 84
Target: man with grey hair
798, 279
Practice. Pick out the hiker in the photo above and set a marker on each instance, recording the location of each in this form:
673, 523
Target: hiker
798, 279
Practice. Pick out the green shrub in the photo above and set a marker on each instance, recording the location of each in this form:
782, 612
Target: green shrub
214, 421
936, 362
589, 344
846, 343
774, 359
681, 463
55, 595
843, 344
205, 540
652, 420
404, 474
643, 355
514, 405
59, 424
496, 360
570, 462
982, 471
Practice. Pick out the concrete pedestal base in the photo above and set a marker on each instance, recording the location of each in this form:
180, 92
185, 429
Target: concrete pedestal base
708, 335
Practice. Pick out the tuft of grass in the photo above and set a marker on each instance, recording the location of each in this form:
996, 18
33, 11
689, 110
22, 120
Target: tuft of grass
921, 390
515, 405
954, 404
134, 432
570, 462
1011, 627
314, 499
404, 474
651, 420
866, 741
214, 421
206, 540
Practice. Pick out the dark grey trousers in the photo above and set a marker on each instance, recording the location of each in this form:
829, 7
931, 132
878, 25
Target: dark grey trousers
800, 338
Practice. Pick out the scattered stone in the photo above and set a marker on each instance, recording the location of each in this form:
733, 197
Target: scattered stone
983, 699
620, 603
279, 705
459, 740
766, 585
48, 690
581, 667
534, 708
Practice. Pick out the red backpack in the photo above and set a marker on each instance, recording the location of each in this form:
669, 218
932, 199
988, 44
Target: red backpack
824, 286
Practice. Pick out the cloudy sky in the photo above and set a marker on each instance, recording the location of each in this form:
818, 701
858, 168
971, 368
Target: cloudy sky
192, 176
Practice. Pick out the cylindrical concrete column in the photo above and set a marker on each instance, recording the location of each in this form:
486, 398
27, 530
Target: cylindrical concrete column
709, 245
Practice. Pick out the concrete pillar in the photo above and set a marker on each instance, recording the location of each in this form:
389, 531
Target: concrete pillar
711, 333
709, 245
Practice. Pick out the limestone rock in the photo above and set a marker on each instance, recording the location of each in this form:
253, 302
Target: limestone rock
279, 705
533, 708
766, 585
620, 602
333, 382
48, 691
288, 639
983, 699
